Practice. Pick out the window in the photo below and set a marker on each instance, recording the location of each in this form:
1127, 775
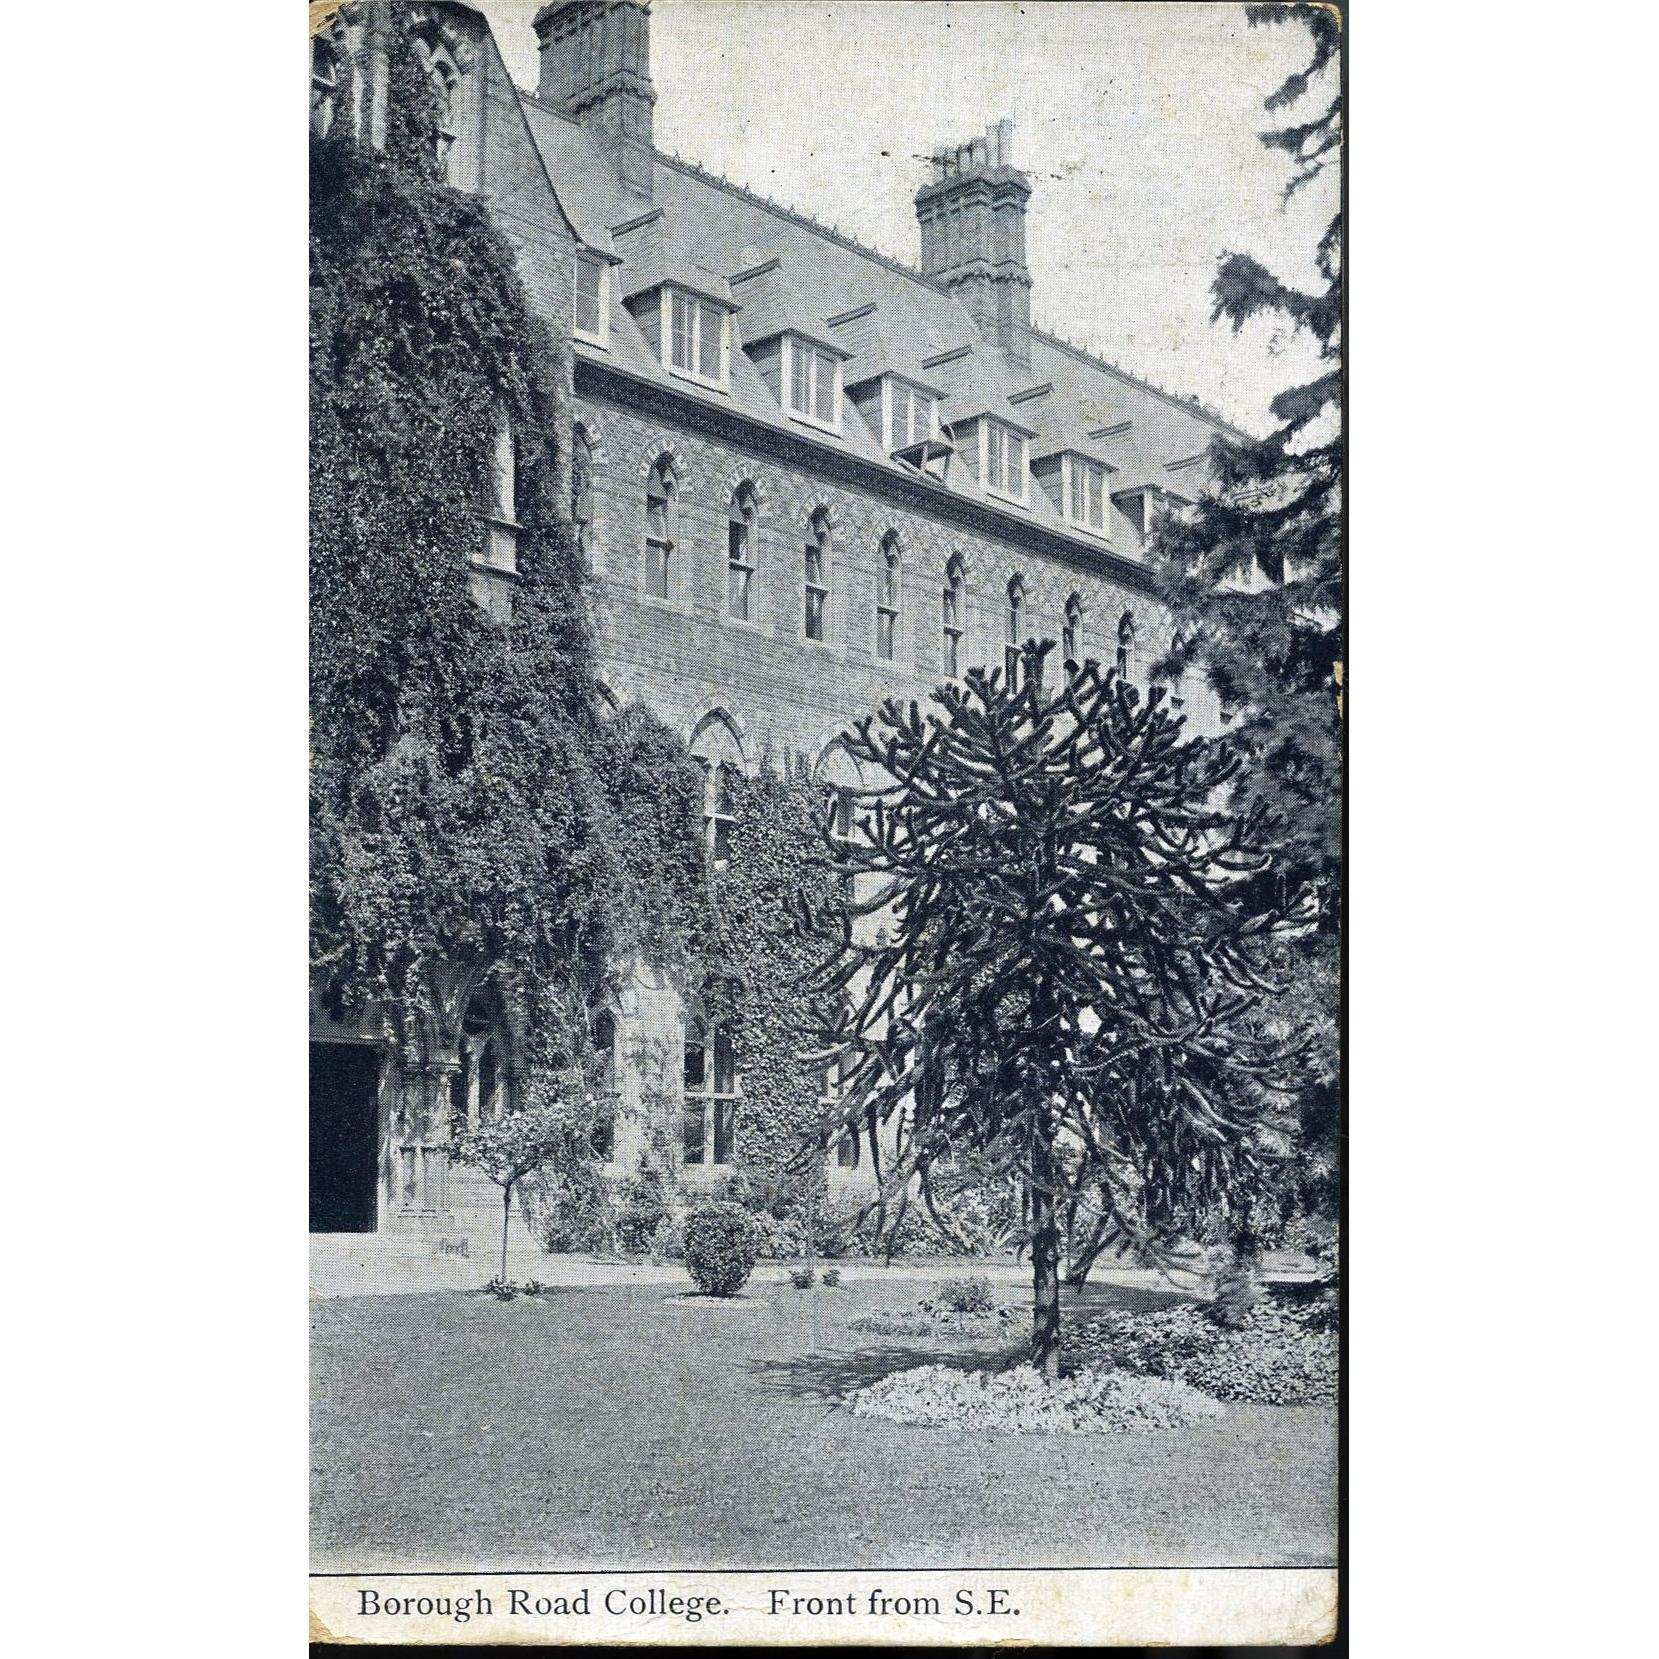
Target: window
1085, 492
741, 519
659, 529
1178, 680
442, 75
1126, 647
592, 314
952, 620
1004, 461
817, 575
604, 1054
718, 816
814, 389
1071, 637
887, 597
325, 87
581, 492
1016, 632
696, 337
911, 413
710, 1092
478, 1086
838, 777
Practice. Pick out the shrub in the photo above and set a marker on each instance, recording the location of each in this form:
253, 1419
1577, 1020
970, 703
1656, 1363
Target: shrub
667, 1243
569, 1211
1021, 1401
971, 1294
642, 1205
721, 1247
801, 1278
832, 1277
1284, 1353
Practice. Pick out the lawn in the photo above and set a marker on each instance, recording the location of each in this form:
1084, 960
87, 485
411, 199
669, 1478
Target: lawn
616, 1426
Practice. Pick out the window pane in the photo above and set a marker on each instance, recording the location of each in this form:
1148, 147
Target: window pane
684, 317
923, 420
737, 592
800, 372
846, 1151
725, 1131
694, 1120
696, 1055
825, 406
710, 325
1016, 464
656, 571
950, 662
814, 613
722, 847
725, 1062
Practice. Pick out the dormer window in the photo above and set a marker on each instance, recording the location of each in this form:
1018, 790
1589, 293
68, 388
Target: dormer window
812, 384
1085, 492
1002, 460
912, 414
695, 331
592, 313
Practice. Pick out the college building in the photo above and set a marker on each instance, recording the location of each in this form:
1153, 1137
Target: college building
807, 477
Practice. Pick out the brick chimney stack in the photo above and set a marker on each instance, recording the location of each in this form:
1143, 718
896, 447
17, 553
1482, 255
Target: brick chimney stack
596, 68
972, 215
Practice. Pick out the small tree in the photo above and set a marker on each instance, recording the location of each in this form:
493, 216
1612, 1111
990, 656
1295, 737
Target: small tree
513, 1145
1066, 967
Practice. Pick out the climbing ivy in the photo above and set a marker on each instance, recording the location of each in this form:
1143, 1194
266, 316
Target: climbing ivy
469, 802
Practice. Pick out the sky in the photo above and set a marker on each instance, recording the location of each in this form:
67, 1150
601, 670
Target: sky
1136, 122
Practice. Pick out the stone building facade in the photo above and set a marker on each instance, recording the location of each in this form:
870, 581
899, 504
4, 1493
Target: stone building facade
807, 478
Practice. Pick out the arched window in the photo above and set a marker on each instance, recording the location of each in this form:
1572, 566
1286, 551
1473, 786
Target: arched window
838, 778
325, 87
711, 1090
1071, 637
953, 610
442, 76
1126, 646
718, 752
478, 1087
742, 519
581, 492
1178, 680
660, 490
832, 1088
817, 571
888, 587
603, 1035
1016, 632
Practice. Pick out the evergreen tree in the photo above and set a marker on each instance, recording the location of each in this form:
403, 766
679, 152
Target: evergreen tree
1253, 576
1068, 965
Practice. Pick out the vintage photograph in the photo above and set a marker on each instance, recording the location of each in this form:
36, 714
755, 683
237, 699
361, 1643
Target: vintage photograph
827, 698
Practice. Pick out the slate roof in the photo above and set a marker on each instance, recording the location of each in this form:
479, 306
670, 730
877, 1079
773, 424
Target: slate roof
705, 231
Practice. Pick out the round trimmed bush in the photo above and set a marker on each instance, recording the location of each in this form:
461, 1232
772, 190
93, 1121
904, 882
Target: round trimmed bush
721, 1246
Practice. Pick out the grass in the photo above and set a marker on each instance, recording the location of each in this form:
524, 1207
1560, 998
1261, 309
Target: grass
621, 1426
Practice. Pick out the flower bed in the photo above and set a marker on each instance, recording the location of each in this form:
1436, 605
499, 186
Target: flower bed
1020, 1401
1283, 1354
928, 1320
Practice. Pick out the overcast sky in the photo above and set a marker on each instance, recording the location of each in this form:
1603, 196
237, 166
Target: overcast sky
1136, 122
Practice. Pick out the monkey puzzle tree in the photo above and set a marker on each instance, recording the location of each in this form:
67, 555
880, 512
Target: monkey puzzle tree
1065, 970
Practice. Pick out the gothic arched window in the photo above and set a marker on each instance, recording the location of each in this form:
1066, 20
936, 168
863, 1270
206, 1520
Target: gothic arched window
888, 587
581, 492
742, 526
711, 1089
1126, 646
953, 610
660, 490
817, 576
1071, 637
1016, 632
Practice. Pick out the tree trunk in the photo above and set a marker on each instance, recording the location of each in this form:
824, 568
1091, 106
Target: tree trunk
1045, 1260
506, 1215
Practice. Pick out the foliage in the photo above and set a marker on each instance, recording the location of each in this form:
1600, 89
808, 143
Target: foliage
1070, 960
801, 1278
468, 802
928, 1318
1283, 1353
570, 1206
642, 1205
721, 1248
1253, 577
667, 1243
1023, 1401
831, 1278
971, 1294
